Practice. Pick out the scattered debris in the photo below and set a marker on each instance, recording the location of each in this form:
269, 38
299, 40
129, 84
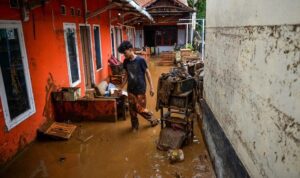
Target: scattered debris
61, 130
175, 155
85, 139
201, 168
40, 171
135, 174
177, 81
84, 136
178, 175
195, 140
170, 139
68, 160
62, 158
203, 158
185, 53
66, 94
156, 168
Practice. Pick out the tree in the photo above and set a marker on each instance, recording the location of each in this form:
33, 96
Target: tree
200, 6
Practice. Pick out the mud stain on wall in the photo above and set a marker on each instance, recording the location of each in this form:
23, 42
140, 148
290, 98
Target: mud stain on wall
48, 111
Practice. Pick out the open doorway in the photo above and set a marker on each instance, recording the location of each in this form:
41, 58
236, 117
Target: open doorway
85, 35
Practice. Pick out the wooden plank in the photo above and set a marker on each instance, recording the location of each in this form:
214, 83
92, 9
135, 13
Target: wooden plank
60, 130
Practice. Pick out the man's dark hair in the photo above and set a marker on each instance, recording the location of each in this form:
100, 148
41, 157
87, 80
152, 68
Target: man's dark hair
124, 46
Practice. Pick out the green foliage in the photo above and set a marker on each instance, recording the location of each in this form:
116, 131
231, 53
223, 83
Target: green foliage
200, 6
189, 46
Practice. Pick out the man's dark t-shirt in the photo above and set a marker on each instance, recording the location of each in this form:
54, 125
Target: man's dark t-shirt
136, 75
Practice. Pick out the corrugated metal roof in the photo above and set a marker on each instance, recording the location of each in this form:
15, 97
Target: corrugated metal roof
147, 2
183, 2
144, 2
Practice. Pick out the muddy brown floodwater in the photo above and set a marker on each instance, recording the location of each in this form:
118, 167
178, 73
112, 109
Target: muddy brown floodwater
111, 150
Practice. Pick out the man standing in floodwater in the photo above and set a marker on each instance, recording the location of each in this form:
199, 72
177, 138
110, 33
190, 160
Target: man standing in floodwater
136, 69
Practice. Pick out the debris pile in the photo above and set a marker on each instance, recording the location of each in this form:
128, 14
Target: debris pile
178, 80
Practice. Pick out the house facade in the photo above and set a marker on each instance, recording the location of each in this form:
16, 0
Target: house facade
45, 45
167, 29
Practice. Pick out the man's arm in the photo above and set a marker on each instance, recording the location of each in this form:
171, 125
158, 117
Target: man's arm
148, 75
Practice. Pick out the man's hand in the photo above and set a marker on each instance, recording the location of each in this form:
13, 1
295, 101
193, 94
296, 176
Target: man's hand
151, 92
150, 82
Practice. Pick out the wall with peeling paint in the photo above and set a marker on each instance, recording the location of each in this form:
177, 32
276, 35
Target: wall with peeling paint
46, 54
255, 12
252, 81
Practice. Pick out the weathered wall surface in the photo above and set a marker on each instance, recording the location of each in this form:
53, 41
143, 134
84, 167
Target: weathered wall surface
255, 12
252, 73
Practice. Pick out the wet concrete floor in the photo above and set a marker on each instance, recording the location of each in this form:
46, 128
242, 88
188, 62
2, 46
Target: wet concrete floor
113, 150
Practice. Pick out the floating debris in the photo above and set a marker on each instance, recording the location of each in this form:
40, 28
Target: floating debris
40, 171
135, 174
84, 136
62, 158
178, 175
195, 140
175, 155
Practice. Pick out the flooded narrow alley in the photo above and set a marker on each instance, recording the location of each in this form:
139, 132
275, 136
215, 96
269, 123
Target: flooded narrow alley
112, 150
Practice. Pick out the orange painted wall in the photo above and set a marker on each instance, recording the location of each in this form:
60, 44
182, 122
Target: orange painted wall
47, 61
103, 21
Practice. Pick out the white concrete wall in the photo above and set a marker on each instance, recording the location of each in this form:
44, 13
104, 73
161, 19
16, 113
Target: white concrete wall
252, 81
254, 12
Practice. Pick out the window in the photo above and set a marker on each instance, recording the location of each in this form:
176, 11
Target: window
72, 53
119, 39
15, 86
14, 3
72, 11
116, 39
78, 12
131, 35
165, 36
63, 10
97, 40
112, 37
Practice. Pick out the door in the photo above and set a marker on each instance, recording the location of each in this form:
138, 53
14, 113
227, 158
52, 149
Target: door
85, 35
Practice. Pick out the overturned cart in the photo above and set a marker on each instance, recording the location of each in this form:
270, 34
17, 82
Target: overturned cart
176, 101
